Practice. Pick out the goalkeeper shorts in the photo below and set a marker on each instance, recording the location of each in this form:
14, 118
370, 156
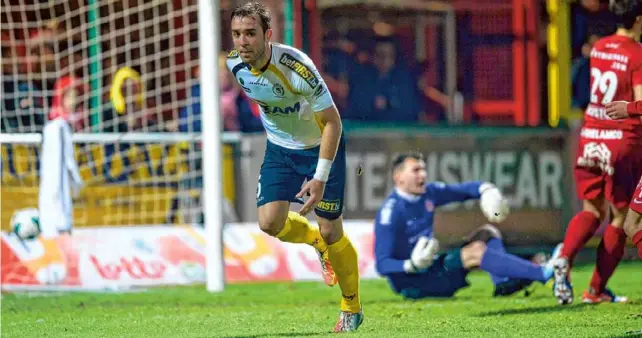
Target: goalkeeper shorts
284, 170
442, 279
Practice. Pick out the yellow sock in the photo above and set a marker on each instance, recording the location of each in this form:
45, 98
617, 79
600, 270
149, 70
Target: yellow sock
346, 266
297, 229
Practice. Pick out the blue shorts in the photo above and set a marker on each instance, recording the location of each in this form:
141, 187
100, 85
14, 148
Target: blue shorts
284, 171
443, 279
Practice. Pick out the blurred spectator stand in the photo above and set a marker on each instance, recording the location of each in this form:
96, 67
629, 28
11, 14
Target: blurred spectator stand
491, 75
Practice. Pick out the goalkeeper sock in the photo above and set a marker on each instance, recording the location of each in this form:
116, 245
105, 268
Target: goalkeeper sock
637, 241
503, 264
497, 245
609, 255
581, 228
346, 266
297, 229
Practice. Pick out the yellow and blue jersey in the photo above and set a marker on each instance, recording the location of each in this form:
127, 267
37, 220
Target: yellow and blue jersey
289, 90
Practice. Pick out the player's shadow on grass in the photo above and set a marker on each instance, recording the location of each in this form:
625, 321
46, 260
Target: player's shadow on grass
283, 334
532, 310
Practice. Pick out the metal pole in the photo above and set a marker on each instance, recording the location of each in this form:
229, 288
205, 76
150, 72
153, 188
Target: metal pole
95, 66
209, 22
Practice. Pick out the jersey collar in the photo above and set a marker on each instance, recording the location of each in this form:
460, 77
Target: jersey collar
408, 197
267, 64
623, 38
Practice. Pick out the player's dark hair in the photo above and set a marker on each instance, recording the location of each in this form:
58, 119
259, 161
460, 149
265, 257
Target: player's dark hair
401, 159
254, 8
626, 11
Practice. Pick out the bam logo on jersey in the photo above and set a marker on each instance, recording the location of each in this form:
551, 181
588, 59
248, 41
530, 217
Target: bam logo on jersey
269, 110
299, 68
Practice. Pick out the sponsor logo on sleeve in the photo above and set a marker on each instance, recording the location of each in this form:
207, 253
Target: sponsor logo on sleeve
300, 69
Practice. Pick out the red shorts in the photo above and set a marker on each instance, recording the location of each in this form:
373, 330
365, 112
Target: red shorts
636, 201
608, 164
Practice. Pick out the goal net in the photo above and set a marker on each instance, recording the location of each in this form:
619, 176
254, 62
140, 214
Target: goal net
135, 68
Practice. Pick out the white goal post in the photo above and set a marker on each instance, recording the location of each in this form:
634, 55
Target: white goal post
209, 24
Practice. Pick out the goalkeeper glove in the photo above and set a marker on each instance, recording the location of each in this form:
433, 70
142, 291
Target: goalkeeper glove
492, 203
422, 255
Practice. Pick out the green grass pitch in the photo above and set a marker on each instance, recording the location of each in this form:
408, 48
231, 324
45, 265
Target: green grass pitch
310, 310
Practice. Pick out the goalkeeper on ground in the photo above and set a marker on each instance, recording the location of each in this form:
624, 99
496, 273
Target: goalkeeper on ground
406, 252
59, 173
305, 142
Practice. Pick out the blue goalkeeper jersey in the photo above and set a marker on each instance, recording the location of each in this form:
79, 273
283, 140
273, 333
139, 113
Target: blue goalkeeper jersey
290, 91
403, 218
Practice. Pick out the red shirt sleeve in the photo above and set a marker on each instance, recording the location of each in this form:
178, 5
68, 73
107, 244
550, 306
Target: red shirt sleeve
636, 74
634, 108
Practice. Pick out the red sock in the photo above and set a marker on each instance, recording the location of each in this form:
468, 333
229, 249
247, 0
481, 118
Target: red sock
581, 228
609, 255
637, 240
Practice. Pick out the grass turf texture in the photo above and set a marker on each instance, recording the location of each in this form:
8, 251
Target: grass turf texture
311, 309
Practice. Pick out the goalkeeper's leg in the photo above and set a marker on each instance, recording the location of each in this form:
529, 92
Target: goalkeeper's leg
484, 249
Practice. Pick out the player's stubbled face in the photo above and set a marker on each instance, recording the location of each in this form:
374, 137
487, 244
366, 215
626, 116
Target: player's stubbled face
248, 38
412, 178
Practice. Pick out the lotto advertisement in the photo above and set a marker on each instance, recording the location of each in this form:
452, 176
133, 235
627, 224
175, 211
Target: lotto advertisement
123, 258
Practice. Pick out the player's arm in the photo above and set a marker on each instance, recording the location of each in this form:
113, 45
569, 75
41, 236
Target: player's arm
308, 83
330, 119
385, 235
634, 108
442, 193
491, 201
387, 225
330, 136
621, 109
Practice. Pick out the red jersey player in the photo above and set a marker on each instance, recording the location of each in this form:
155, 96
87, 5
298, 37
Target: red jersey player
609, 160
633, 221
